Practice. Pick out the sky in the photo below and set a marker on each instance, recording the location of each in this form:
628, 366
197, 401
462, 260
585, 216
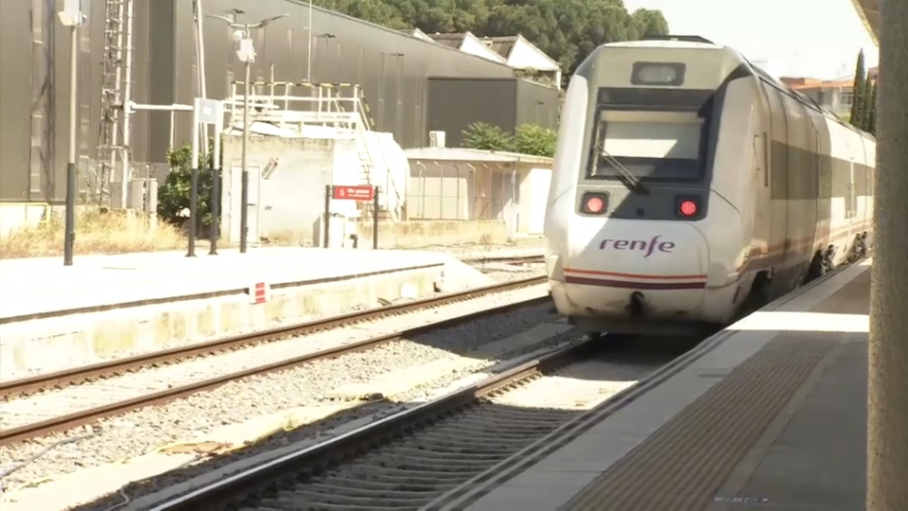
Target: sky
809, 38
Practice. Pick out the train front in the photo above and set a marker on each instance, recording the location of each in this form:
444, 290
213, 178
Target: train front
630, 201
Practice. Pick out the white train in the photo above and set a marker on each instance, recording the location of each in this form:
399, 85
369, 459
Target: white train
688, 183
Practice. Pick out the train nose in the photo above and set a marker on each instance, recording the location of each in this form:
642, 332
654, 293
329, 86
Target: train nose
626, 269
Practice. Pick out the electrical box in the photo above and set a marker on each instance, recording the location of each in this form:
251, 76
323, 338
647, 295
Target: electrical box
436, 139
143, 195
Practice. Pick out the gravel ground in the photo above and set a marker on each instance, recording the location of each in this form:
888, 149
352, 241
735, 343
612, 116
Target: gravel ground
468, 248
142, 431
502, 272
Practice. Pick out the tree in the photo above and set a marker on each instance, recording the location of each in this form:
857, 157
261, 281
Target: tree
527, 139
858, 95
535, 140
488, 137
566, 30
649, 22
173, 195
870, 125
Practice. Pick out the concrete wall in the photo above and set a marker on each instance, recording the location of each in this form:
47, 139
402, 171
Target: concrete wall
286, 200
416, 233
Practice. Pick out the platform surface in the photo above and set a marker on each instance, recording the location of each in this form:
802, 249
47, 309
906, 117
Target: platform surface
43, 285
767, 415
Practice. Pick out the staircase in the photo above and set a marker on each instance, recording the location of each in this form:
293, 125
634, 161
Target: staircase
326, 105
115, 83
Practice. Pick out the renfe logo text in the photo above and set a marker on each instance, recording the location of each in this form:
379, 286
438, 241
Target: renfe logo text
642, 245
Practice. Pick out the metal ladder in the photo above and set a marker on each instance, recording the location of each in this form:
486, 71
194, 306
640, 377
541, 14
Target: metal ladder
109, 144
368, 160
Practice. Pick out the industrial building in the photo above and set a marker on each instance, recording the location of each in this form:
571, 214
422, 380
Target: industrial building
143, 51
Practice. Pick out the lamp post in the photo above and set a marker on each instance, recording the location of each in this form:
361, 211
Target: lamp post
246, 53
71, 16
309, 46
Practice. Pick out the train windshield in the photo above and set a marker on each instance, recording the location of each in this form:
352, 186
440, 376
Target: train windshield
651, 146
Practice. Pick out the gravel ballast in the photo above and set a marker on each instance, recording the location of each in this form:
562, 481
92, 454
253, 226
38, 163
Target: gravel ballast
142, 431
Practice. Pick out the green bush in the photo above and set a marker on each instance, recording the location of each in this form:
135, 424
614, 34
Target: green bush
529, 139
535, 140
480, 135
173, 195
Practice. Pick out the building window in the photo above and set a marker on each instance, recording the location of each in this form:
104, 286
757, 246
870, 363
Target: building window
845, 97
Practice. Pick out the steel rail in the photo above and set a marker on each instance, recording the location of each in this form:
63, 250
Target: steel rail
59, 379
317, 457
88, 416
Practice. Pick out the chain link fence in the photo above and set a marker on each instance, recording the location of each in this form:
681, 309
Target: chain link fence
94, 191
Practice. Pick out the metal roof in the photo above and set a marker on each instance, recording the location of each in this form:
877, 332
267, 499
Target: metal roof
869, 11
464, 154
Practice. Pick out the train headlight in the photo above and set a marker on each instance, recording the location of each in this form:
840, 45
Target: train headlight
594, 203
688, 207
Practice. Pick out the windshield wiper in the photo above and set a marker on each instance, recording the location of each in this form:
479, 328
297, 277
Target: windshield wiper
626, 177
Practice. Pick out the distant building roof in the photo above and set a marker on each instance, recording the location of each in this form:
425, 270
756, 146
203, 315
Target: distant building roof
820, 84
449, 40
467, 43
420, 34
505, 45
464, 154
501, 45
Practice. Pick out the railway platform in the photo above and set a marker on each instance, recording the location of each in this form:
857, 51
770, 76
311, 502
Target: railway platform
53, 317
769, 414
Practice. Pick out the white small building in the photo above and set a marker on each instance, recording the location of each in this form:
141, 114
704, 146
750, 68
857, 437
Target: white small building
514, 51
448, 183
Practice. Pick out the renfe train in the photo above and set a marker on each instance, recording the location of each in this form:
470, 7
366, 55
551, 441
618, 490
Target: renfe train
690, 185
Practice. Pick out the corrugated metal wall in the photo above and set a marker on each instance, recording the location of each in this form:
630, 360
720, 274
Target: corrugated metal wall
537, 104
34, 48
455, 103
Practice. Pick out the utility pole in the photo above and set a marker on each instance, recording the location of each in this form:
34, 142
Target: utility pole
71, 16
246, 53
887, 421
309, 46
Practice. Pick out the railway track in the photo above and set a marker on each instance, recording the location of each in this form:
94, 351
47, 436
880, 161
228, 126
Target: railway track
47, 403
431, 454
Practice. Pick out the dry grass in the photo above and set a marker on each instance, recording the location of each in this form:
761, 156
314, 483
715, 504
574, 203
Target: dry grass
96, 233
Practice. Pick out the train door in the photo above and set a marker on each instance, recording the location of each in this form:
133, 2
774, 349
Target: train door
824, 183
851, 210
778, 193
802, 176
808, 204
761, 186
851, 198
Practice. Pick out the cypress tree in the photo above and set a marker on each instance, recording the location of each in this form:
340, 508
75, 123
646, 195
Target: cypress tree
870, 125
858, 94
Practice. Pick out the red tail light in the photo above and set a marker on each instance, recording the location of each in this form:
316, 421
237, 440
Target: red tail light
688, 208
594, 203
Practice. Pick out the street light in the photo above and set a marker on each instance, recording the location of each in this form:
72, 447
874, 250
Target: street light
309, 46
246, 53
71, 16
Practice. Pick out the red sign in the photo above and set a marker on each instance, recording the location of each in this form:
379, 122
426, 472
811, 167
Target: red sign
357, 193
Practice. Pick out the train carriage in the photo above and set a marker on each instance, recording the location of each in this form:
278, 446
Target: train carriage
689, 185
